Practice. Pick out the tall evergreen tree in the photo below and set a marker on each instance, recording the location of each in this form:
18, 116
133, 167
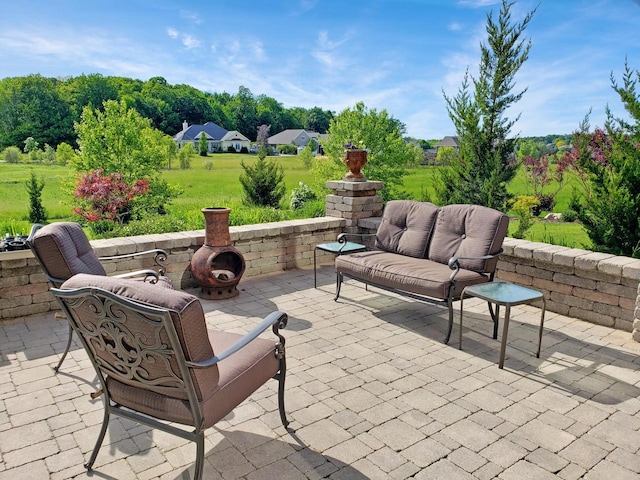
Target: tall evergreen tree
486, 162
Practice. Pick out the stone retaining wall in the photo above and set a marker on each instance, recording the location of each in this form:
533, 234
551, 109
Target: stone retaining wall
266, 248
597, 287
600, 288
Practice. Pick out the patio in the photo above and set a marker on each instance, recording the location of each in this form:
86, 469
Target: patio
372, 392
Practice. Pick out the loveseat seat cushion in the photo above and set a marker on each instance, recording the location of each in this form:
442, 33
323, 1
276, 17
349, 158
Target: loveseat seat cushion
468, 231
406, 227
415, 275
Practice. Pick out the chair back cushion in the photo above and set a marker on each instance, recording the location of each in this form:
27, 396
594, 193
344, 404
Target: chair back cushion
64, 250
406, 227
134, 333
468, 231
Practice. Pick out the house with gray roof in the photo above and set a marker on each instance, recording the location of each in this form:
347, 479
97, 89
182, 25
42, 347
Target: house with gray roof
449, 141
192, 133
295, 136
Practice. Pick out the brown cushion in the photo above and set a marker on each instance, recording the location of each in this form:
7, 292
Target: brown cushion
468, 231
416, 275
186, 313
240, 375
64, 250
406, 227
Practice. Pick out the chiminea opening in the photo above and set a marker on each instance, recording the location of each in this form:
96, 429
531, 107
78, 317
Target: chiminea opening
226, 266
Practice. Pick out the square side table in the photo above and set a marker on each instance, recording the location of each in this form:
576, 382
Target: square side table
336, 248
507, 294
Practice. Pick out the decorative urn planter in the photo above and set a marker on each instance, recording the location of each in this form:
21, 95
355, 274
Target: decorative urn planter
217, 266
355, 161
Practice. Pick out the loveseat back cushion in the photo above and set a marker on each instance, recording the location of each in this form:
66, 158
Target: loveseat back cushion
186, 314
64, 251
468, 231
406, 227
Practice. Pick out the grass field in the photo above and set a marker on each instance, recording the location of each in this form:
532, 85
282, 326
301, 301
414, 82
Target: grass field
219, 186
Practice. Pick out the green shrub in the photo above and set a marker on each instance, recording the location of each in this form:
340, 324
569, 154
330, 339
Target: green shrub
64, 154
289, 149
12, 155
184, 156
569, 215
231, 149
523, 209
148, 225
301, 195
263, 183
49, 154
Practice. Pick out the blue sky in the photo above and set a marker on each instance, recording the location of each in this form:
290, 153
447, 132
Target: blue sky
397, 55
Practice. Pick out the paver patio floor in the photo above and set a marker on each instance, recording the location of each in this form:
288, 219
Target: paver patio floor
372, 392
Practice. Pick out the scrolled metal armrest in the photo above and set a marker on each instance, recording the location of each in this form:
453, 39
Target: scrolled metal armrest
342, 238
150, 276
276, 320
454, 263
160, 256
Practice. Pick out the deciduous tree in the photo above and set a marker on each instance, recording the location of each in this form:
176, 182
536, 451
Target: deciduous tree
119, 140
381, 135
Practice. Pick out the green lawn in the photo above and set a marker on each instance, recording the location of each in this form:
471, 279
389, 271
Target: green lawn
219, 186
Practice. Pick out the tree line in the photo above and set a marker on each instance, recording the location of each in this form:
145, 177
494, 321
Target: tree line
46, 108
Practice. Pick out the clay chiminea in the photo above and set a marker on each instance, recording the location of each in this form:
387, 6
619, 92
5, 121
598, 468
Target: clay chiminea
217, 266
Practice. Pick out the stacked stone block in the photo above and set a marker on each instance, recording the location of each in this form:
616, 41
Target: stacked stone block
597, 287
354, 201
267, 248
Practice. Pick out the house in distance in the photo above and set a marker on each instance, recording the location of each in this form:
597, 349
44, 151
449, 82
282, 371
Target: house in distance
218, 138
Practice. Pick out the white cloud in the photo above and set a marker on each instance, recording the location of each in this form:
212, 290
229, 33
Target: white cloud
328, 52
173, 33
191, 16
455, 27
189, 41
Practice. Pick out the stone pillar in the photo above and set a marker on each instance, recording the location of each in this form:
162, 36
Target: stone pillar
636, 319
353, 201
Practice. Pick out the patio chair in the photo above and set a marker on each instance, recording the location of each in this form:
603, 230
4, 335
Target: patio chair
157, 363
63, 250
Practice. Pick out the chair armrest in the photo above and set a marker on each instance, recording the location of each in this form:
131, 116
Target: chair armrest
149, 275
454, 263
276, 320
160, 256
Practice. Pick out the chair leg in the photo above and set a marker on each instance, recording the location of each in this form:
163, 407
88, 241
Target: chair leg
281, 379
495, 318
338, 285
450, 327
103, 431
66, 350
199, 467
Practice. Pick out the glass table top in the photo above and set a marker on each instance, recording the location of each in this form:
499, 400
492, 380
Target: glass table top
337, 247
503, 292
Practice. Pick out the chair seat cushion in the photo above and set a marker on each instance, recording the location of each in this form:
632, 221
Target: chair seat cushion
239, 376
415, 275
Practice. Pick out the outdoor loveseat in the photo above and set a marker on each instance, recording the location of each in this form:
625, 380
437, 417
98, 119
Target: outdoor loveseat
429, 253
